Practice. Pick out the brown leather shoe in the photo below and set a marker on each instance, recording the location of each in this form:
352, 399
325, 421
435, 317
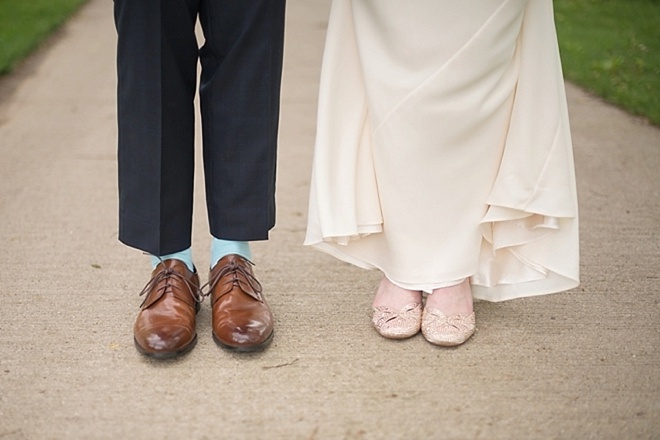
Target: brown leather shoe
165, 326
241, 318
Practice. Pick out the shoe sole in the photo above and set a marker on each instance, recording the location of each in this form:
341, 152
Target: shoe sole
397, 336
166, 355
244, 348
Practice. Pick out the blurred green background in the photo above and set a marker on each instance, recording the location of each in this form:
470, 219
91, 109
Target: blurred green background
611, 47
26, 23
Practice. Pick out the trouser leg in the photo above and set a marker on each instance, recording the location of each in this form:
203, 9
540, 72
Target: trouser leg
240, 87
157, 57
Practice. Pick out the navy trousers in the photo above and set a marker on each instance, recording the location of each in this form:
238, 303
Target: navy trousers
239, 89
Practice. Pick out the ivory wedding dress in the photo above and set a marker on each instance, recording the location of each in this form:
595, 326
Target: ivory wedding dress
443, 148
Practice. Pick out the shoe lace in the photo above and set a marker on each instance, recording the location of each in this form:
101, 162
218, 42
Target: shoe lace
240, 277
168, 287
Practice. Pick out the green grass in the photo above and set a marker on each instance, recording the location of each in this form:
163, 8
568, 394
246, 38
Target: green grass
25, 23
612, 47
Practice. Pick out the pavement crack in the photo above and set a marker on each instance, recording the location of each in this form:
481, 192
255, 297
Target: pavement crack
286, 364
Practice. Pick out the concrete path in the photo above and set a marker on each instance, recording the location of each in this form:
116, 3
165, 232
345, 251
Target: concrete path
576, 365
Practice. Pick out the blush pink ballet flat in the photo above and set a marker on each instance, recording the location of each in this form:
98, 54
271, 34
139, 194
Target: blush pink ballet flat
398, 325
447, 331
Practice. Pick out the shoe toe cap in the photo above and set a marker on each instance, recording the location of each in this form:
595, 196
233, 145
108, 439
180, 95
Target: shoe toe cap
164, 339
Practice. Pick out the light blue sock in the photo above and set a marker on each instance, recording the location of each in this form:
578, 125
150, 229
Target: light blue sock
220, 248
184, 255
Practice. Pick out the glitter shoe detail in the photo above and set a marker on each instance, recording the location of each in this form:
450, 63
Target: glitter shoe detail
447, 331
398, 325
